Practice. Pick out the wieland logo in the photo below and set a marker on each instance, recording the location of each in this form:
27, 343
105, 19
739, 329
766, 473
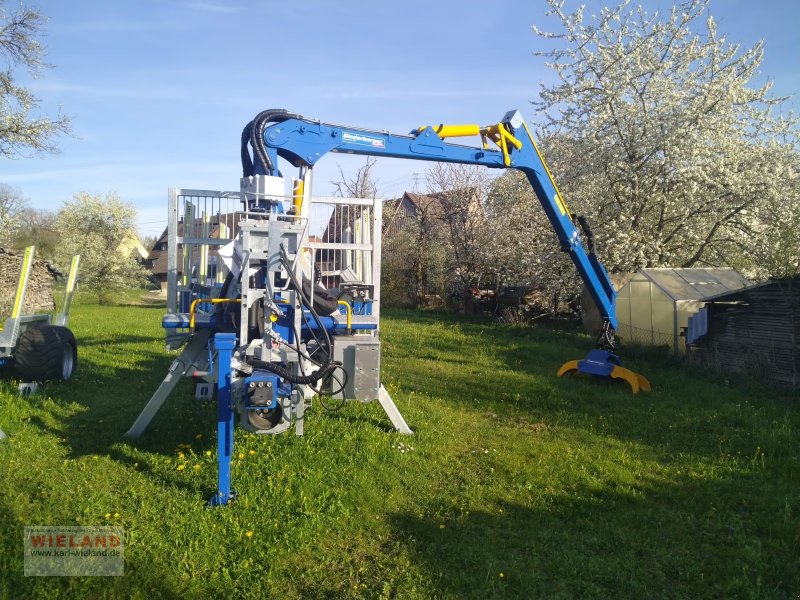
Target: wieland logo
90, 551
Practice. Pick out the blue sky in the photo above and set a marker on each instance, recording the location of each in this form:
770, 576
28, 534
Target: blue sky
159, 91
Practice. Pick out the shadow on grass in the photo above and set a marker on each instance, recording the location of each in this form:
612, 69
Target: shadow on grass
688, 411
111, 397
140, 580
344, 419
112, 340
693, 539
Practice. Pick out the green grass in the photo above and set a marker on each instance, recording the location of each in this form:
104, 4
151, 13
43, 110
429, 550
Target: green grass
515, 484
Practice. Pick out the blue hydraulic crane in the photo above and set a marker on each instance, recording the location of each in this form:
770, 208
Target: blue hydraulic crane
269, 338
505, 145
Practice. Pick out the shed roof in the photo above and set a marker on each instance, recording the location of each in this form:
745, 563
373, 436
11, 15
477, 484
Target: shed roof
783, 285
695, 284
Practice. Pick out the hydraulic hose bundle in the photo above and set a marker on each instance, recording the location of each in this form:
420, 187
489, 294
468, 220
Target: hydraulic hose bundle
328, 366
253, 133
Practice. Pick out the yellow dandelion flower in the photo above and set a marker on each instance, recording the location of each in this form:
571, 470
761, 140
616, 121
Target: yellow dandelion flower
252, 452
116, 515
197, 467
248, 534
241, 456
208, 452
108, 515
502, 575
181, 467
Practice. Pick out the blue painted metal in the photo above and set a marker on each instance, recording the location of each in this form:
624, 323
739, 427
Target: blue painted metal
360, 307
309, 325
202, 320
304, 142
224, 344
599, 363
334, 325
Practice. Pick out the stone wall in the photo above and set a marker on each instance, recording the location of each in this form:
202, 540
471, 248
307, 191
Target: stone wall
39, 297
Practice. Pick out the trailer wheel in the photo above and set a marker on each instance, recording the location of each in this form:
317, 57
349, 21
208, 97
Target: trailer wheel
47, 353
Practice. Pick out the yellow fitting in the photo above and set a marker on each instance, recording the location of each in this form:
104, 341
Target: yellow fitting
207, 301
496, 133
502, 138
27, 258
297, 195
559, 199
446, 131
349, 312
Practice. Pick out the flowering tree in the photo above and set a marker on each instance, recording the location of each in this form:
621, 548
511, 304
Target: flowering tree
656, 132
96, 228
20, 128
525, 247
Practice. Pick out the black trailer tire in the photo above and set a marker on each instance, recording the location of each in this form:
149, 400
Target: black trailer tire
47, 353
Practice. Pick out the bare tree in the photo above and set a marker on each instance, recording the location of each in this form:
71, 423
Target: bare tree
20, 128
460, 191
360, 185
12, 205
37, 228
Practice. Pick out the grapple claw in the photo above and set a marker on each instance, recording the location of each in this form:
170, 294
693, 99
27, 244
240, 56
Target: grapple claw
602, 363
568, 367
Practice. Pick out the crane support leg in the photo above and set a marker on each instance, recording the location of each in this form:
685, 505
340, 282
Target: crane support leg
193, 357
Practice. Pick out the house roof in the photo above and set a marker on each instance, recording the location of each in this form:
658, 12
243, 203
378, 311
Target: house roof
415, 203
695, 284
159, 257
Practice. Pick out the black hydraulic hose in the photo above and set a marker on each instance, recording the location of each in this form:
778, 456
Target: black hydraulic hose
325, 369
584, 223
307, 301
247, 162
254, 132
291, 377
605, 339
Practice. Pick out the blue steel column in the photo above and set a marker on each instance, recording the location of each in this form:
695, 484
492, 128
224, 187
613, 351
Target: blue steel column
224, 343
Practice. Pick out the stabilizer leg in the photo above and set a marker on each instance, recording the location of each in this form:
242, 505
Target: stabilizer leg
225, 343
391, 411
194, 356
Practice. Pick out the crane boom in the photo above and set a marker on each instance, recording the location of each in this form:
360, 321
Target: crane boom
303, 142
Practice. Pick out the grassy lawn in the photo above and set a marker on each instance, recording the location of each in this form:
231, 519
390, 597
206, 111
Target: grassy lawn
515, 485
